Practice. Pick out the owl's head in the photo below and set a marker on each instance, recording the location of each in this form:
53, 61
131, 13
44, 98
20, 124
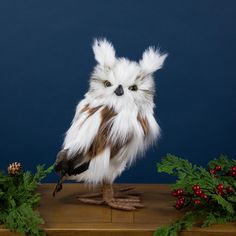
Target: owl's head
119, 82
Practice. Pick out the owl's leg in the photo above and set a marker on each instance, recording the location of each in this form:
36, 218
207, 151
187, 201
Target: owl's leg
121, 199
126, 203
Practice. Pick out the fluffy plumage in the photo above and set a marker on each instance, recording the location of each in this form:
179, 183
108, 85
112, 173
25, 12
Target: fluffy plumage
114, 123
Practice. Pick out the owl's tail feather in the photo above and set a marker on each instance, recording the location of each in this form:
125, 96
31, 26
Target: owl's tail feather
67, 167
58, 187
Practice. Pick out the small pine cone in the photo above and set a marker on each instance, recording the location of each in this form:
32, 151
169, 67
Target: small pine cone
14, 168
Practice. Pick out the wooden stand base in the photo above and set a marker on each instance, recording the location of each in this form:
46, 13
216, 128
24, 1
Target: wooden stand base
66, 216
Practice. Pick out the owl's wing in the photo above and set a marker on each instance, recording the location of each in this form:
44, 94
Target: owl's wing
78, 140
66, 167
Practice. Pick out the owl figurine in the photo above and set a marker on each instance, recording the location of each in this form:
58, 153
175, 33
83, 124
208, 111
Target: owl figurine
112, 126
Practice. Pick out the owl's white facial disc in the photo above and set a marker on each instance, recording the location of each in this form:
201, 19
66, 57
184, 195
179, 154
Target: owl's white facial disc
121, 86
121, 83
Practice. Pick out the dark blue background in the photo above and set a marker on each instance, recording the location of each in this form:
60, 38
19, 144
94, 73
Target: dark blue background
46, 60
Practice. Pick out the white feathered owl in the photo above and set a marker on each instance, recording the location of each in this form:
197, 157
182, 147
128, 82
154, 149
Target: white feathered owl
113, 124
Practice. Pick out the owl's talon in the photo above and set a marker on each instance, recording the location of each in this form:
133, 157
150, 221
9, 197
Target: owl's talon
91, 201
57, 189
121, 206
127, 206
127, 196
126, 200
125, 189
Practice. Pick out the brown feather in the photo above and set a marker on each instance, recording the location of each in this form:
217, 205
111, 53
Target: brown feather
115, 148
90, 111
85, 108
100, 141
144, 123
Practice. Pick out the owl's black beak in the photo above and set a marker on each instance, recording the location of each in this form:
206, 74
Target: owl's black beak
119, 90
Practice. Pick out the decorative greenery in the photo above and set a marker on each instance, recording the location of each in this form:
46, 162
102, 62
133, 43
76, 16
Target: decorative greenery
18, 199
206, 196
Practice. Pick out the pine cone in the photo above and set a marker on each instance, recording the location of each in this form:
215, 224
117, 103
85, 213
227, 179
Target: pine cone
14, 168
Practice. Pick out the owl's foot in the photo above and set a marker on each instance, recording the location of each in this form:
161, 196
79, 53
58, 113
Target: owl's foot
127, 193
119, 193
122, 199
91, 201
126, 206
119, 200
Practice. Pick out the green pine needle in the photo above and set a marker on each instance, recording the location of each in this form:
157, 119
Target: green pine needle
218, 209
18, 201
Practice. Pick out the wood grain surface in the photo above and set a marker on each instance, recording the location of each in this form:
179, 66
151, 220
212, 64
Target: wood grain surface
65, 216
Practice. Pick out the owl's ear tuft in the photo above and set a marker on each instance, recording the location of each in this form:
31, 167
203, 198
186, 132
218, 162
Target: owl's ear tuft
152, 60
104, 52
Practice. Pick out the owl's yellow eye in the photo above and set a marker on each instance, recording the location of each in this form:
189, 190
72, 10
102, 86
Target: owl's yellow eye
107, 83
133, 87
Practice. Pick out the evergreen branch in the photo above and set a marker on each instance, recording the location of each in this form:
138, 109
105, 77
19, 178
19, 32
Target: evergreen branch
186, 222
209, 193
18, 200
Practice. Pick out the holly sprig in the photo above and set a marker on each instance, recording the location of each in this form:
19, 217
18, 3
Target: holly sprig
205, 195
18, 199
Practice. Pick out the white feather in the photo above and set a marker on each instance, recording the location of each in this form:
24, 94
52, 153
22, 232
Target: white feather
98, 168
81, 133
152, 60
85, 127
104, 52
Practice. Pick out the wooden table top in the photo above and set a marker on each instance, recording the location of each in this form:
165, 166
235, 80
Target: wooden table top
65, 216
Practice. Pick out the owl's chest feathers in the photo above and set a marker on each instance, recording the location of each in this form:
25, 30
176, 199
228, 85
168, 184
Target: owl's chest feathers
116, 130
